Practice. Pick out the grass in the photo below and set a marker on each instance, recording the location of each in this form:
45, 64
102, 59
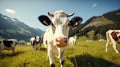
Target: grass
83, 54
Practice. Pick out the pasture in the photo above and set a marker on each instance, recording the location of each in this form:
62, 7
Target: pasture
83, 54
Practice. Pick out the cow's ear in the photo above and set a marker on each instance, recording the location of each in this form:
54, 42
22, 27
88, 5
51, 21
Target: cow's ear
75, 21
44, 20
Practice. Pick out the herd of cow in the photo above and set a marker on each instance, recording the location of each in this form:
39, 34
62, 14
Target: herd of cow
56, 37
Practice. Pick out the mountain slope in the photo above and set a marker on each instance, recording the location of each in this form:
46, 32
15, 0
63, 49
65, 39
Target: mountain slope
13, 28
107, 18
98, 25
97, 21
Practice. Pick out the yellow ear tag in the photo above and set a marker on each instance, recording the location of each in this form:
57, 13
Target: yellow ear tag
45, 22
76, 23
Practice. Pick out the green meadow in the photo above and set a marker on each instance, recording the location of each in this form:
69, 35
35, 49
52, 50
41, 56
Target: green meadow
82, 54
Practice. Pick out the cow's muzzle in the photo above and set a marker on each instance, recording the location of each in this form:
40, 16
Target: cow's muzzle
61, 41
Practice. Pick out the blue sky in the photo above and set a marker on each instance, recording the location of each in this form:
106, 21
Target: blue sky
28, 11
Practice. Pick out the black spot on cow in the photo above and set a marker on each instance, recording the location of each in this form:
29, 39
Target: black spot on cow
44, 20
7, 43
36, 42
75, 21
52, 65
0, 42
114, 35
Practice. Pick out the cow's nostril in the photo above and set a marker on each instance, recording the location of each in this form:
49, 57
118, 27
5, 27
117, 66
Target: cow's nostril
65, 40
57, 41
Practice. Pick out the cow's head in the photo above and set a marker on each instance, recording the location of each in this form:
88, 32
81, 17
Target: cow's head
37, 38
60, 25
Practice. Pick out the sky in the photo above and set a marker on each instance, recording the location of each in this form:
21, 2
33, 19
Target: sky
27, 11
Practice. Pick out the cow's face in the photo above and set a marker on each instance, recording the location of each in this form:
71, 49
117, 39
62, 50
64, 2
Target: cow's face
60, 26
37, 38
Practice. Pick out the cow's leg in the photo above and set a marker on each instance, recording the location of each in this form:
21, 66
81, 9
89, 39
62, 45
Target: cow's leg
75, 42
50, 55
108, 39
107, 46
39, 46
61, 52
72, 42
0, 50
34, 47
13, 50
114, 47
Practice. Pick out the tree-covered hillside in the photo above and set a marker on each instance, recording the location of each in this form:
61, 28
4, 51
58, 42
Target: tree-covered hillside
96, 26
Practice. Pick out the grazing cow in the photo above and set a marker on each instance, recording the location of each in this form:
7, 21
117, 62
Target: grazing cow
56, 37
35, 42
8, 44
72, 40
113, 37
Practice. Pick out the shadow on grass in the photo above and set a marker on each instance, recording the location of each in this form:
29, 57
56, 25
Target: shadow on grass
4, 55
87, 60
43, 49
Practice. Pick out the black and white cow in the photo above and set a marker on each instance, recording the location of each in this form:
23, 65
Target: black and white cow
8, 44
35, 42
56, 37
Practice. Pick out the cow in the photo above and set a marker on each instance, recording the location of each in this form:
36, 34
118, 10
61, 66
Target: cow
72, 40
8, 44
35, 42
113, 37
56, 36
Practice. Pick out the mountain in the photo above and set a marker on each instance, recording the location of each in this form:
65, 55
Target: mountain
107, 18
13, 28
97, 21
98, 25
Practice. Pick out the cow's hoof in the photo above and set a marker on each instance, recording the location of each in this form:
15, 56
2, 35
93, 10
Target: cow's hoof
52, 65
117, 52
62, 62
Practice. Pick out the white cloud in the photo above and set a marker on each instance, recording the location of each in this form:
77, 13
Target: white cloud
94, 5
10, 11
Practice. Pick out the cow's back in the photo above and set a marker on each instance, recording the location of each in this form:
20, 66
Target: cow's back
112, 35
7, 43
